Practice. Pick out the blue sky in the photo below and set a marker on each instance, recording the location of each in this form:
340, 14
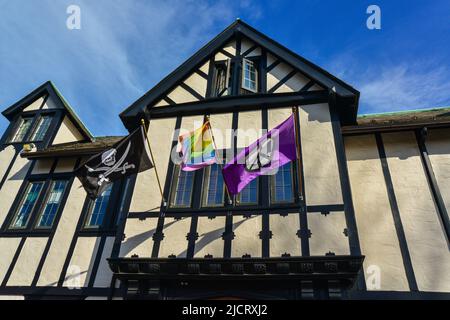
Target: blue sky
125, 47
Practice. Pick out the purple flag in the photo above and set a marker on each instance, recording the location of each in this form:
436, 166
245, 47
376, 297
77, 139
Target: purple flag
273, 150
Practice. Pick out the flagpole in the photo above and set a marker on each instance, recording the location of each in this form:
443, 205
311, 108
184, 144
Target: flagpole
217, 159
154, 163
297, 148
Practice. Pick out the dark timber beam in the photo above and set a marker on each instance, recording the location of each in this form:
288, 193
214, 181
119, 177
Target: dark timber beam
239, 103
421, 137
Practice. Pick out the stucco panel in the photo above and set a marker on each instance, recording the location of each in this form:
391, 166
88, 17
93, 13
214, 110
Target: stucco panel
284, 235
438, 147
246, 236
327, 234
104, 273
82, 261
138, 237
26, 265
175, 241
376, 229
8, 248
424, 233
59, 248
67, 132
6, 156
322, 181
210, 237
12, 185
146, 195
249, 128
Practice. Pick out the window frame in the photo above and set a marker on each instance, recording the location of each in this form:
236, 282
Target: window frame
20, 204
205, 188
17, 126
272, 186
119, 193
43, 205
174, 187
37, 126
254, 65
250, 204
106, 217
227, 66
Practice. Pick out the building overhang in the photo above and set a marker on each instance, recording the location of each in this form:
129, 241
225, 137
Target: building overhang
281, 269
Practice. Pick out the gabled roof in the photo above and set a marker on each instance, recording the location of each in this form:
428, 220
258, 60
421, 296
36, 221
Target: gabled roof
75, 148
322, 77
47, 88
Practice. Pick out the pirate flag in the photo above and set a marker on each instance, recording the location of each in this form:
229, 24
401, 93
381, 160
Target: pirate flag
129, 155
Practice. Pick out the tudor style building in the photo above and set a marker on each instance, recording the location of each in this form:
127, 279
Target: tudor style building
362, 214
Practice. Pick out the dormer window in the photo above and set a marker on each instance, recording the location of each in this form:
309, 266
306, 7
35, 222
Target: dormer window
222, 78
42, 127
22, 130
249, 76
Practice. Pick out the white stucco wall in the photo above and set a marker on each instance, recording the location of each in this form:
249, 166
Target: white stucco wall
376, 229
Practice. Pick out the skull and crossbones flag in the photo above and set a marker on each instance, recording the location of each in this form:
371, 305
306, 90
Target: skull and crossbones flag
128, 156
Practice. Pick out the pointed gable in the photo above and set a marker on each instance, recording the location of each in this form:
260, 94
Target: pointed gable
47, 96
278, 70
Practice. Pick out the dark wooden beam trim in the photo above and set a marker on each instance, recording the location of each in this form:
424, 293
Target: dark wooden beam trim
228, 234
192, 91
345, 268
283, 81
304, 232
264, 187
249, 50
432, 182
409, 270
54, 291
273, 65
344, 178
350, 220
202, 74
226, 53
240, 103
210, 77
8, 170
169, 101
307, 86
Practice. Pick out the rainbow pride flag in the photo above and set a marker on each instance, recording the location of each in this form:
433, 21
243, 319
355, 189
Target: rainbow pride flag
197, 149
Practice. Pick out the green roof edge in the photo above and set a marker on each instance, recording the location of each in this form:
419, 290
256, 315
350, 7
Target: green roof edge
367, 115
71, 111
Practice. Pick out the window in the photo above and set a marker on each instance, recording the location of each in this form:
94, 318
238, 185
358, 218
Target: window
98, 209
249, 76
281, 185
52, 204
22, 130
182, 188
213, 187
222, 78
27, 205
249, 195
41, 129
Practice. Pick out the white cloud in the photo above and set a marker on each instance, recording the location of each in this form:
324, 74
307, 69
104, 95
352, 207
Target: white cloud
406, 87
121, 51
386, 86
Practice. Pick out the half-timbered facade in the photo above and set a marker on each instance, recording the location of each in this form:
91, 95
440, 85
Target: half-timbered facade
361, 214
